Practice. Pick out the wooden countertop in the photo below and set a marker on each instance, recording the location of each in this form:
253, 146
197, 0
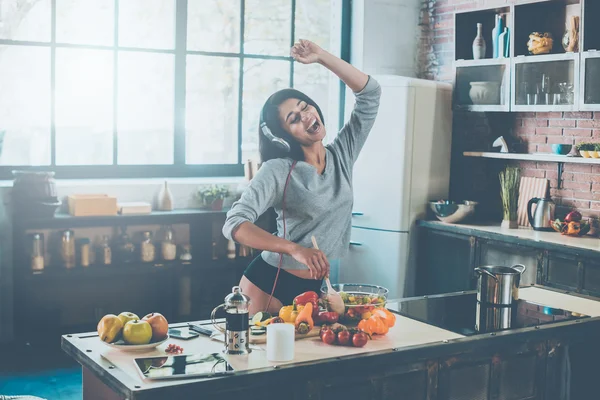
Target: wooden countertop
550, 240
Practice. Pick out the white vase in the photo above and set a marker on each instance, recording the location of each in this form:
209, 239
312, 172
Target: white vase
479, 46
165, 199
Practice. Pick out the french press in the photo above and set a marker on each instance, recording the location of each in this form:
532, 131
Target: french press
237, 323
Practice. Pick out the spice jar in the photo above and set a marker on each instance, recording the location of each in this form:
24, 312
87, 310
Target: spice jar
83, 245
104, 251
124, 248
147, 249
67, 248
168, 246
186, 253
231, 250
36, 251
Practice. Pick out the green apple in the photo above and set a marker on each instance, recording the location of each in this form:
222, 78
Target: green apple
137, 332
127, 316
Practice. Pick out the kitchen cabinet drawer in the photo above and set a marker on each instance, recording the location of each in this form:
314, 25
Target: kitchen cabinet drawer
445, 263
562, 272
496, 253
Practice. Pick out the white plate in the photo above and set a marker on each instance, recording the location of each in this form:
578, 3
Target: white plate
120, 344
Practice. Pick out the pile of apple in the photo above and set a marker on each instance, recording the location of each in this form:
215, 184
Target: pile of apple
133, 330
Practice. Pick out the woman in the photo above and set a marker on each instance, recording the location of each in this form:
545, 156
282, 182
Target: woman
308, 184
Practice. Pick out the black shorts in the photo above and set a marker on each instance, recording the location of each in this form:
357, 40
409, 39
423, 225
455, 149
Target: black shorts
262, 274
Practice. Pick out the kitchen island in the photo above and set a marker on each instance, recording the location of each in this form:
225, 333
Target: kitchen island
415, 360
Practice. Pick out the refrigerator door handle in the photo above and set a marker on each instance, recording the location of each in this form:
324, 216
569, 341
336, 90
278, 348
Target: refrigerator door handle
357, 213
353, 243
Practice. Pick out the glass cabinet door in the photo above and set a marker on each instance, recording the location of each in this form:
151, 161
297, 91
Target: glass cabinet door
482, 88
548, 85
591, 84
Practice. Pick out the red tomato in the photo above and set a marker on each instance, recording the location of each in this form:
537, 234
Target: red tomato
359, 339
323, 330
328, 336
343, 338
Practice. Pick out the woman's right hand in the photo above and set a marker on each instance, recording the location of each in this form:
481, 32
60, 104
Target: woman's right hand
314, 259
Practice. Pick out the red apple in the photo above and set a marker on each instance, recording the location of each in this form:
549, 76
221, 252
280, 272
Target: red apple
573, 216
159, 325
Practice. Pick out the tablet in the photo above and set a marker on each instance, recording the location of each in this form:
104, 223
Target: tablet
182, 366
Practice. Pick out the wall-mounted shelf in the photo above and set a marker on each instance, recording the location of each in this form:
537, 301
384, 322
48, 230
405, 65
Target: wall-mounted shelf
560, 160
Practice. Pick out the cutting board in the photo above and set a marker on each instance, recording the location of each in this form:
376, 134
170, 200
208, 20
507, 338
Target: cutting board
528, 189
261, 339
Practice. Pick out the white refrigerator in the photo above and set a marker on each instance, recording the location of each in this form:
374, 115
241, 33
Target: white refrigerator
404, 164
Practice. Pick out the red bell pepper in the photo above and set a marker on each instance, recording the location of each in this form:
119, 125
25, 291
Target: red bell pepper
309, 297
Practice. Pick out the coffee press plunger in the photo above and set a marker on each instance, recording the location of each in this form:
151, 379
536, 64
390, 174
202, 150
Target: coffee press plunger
237, 322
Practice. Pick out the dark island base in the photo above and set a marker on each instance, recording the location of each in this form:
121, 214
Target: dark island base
556, 363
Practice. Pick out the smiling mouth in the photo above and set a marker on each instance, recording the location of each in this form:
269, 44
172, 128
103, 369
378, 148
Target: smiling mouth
314, 128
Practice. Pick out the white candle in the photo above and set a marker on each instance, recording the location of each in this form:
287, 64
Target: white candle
280, 342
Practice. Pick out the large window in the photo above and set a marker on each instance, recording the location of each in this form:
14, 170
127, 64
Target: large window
126, 88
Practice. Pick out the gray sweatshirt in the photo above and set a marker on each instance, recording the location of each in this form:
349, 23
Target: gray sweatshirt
319, 205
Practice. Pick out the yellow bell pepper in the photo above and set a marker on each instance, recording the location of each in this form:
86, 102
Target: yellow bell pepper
290, 313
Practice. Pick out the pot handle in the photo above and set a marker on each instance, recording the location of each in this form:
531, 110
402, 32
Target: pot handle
212, 318
483, 271
519, 267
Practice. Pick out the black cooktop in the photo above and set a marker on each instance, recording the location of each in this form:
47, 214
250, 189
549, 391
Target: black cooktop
463, 314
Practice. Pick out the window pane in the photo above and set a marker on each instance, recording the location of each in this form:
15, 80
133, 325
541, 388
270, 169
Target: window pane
145, 108
261, 79
320, 21
214, 25
85, 22
147, 24
212, 110
24, 105
25, 20
84, 107
267, 28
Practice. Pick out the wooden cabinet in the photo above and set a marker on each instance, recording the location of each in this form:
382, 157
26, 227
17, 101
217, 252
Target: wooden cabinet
563, 271
445, 262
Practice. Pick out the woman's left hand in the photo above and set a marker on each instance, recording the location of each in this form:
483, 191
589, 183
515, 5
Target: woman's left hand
306, 52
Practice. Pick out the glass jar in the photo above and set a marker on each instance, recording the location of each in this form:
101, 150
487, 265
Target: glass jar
147, 249
168, 246
186, 253
36, 251
83, 245
124, 248
67, 249
104, 251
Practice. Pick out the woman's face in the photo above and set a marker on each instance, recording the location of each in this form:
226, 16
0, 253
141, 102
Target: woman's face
301, 120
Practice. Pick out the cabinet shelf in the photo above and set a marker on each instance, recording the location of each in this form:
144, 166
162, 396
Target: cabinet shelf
482, 63
533, 157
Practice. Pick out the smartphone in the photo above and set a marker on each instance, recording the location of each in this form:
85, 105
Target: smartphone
183, 334
201, 329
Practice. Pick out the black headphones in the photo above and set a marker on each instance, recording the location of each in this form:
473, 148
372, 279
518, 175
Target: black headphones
277, 141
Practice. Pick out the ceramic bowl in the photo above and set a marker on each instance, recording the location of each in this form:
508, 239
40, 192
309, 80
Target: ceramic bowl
121, 345
561, 149
485, 93
453, 212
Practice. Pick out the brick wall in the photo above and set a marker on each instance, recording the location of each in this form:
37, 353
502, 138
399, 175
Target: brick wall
476, 179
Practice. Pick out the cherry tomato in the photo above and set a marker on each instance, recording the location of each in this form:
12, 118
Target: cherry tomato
328, 336
324, 329
343, 338
359, 339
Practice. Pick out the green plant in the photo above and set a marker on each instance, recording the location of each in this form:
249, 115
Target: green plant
596, 146
509, 191
209, 194
586, 146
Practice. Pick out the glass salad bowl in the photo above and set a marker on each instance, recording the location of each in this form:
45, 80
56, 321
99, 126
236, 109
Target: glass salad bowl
359, 299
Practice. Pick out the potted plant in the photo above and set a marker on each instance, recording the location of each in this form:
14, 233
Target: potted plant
596, 151
212, 196
509, 191
585, 148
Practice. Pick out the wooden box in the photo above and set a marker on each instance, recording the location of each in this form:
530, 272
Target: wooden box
92, 205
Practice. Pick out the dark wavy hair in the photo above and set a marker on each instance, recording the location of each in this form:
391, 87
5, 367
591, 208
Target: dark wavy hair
268, 150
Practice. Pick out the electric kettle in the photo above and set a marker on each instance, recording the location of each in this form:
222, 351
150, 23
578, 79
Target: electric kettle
542, 219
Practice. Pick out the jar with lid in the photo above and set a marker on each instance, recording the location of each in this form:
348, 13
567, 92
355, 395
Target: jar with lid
168, 246
124, 247
36, 251
147, 249
83, 246
67, 249
104, 251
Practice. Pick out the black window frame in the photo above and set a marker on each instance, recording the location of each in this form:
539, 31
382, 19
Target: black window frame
179, 168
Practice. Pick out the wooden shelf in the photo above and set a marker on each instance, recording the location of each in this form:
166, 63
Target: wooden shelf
482, 63
533, 157
154, 218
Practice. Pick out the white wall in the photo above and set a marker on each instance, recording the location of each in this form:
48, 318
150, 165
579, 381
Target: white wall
385, 36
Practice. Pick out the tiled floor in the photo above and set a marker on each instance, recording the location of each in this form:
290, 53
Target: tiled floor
42, 371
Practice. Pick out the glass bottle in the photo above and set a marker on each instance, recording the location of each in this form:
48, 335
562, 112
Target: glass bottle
37, 252
104, 251
186, 253
67, 249
147, 249
124, 248
168, 246
84, 252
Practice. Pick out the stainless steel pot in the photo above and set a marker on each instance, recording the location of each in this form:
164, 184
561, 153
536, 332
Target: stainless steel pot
498, 285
